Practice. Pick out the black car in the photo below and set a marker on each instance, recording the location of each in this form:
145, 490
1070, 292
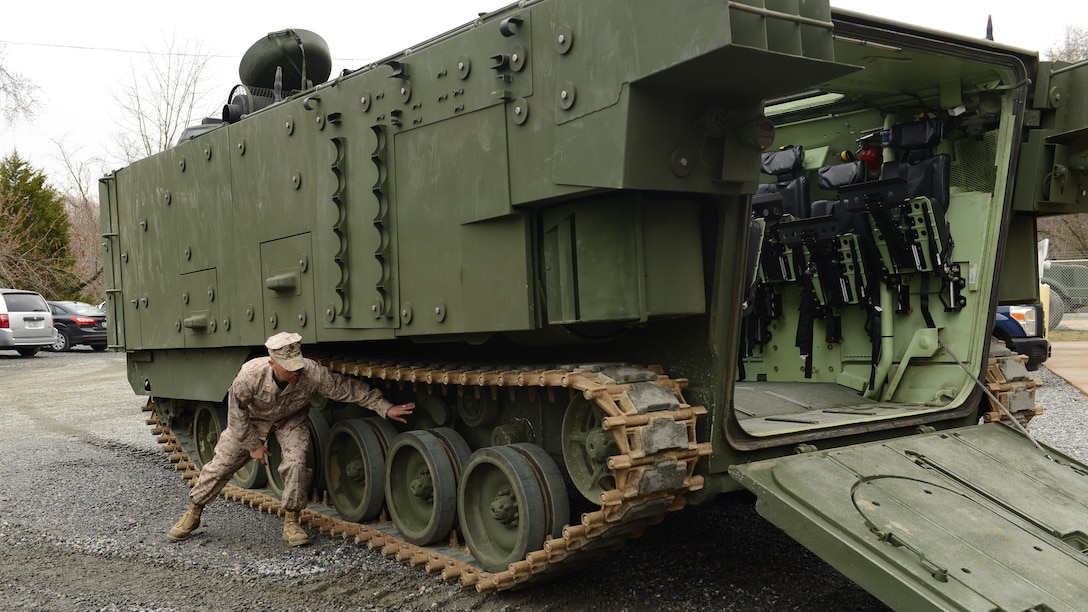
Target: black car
78, 323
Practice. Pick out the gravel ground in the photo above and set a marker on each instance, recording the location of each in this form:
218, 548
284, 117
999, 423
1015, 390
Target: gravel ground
86, 498
1062, 424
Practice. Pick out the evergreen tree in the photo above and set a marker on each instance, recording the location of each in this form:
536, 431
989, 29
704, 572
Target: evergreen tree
34, 251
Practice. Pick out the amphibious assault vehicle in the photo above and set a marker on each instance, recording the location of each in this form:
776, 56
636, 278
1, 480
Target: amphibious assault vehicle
626, 259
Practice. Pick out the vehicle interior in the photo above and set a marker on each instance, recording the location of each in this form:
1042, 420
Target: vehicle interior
873, 239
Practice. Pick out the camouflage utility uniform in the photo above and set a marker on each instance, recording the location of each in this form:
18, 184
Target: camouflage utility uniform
257, 406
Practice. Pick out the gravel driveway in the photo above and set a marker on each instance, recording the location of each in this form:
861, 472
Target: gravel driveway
86, 497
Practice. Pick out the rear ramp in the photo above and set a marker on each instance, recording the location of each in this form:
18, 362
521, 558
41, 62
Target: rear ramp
976, 518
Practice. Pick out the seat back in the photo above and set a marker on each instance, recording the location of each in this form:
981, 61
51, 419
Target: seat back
785, 165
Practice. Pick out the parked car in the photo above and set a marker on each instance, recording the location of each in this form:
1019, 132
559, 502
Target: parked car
1021, 328
26, 324
78, 323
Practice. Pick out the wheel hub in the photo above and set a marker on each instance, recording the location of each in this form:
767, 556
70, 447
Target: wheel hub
504, 508
355, 471
600, 445
422, 486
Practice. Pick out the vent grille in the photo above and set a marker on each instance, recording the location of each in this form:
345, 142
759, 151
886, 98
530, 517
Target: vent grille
973, 167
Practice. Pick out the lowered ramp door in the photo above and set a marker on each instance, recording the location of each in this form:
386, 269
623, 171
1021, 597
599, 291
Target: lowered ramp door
975, 518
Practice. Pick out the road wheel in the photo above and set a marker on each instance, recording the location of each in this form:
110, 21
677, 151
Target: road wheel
504, 515
98, 348
28, 351
355, 470
209, 420
62, 343
421, 487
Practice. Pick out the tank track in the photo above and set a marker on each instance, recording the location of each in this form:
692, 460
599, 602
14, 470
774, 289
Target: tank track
653, 472
1008, 379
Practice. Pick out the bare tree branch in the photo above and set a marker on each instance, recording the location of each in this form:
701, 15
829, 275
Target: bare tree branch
84, 233
160, 100
18, 94
1073, 46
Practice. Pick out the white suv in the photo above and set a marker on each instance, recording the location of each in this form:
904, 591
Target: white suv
26, 324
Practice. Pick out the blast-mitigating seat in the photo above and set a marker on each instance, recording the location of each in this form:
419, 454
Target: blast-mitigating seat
785, 165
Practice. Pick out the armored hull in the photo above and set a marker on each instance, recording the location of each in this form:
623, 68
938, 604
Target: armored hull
613, 254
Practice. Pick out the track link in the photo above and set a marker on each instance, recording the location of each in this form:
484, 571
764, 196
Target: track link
1009, 381
654, 430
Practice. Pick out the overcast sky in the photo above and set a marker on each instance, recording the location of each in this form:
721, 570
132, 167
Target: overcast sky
82, 53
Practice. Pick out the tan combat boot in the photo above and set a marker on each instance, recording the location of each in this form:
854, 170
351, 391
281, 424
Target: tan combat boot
186, 524
293, 531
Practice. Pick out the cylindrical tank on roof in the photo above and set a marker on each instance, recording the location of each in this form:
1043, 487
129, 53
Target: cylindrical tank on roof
303, 55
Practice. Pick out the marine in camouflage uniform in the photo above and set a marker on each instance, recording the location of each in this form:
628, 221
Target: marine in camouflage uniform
272, 396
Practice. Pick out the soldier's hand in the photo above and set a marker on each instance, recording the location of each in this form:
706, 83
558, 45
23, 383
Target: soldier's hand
260, 454
398, 412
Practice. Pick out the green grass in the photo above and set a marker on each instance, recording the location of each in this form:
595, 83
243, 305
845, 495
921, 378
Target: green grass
1067, 335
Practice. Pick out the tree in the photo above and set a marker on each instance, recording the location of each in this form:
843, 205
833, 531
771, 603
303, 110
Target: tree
1068, 234
17, 94
1073, 47
34, 250
159, 102
84, 232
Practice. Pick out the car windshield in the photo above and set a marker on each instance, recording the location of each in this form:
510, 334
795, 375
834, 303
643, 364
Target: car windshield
86, 309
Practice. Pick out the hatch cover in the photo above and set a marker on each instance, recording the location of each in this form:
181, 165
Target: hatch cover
975, 518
